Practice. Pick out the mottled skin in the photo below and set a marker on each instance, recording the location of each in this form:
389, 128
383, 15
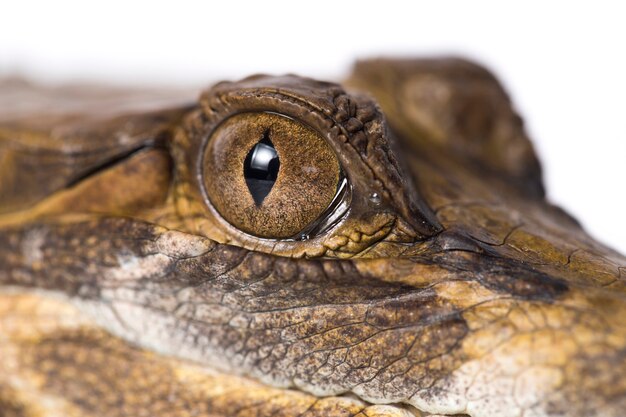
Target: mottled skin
448, 286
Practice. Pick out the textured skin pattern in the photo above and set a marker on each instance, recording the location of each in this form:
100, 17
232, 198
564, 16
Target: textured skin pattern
474, 297
65, 366
355, 129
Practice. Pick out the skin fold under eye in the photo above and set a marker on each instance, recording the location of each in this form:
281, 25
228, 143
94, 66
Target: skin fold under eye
269, 175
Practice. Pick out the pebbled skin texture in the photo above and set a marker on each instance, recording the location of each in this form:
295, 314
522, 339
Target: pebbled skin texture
458, 291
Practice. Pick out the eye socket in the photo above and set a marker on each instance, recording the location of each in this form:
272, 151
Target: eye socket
271, 176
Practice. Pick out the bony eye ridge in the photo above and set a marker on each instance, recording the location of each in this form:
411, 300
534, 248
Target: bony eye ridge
269, 175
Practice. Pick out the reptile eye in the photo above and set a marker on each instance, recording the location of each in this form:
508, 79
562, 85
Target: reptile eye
272, 176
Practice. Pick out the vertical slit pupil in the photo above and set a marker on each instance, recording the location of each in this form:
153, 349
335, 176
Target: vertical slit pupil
260, 169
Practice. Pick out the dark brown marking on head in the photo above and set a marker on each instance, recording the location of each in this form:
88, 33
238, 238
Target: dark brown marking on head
10, 405
103, 376
504, 275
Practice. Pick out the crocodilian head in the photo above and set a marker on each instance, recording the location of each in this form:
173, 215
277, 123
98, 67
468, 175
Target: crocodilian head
385, 242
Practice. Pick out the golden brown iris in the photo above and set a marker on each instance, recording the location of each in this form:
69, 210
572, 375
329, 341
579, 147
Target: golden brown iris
269, 175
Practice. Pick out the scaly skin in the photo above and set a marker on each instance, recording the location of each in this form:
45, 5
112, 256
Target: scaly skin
449, 286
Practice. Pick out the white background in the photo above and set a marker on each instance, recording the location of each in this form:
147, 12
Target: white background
563, 63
